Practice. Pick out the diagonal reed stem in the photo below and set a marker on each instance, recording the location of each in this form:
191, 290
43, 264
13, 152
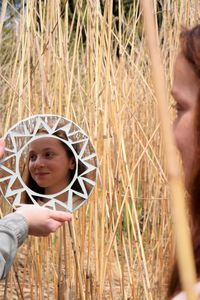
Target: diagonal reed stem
78, 269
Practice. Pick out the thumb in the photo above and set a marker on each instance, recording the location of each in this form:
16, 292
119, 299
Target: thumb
60, 216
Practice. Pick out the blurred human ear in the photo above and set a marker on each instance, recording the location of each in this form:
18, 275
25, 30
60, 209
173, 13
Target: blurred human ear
72, 164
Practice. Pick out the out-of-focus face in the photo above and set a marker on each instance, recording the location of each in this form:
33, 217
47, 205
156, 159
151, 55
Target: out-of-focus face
185, 93
49, 164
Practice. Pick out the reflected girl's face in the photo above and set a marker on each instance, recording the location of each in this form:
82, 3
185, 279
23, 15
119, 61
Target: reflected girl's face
49, 164
185, 92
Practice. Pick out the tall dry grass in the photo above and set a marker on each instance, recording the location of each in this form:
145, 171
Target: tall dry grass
94, 68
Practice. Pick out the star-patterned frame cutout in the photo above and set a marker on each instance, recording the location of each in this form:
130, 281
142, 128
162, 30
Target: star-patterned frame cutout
21, 134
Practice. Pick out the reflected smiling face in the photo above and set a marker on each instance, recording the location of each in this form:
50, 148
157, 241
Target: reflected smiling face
50, 165
185, 92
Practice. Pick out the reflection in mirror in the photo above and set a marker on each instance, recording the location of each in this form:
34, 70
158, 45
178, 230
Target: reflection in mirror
49, 167
49, 161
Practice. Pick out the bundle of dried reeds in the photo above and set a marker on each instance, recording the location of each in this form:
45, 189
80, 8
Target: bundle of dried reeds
88, 61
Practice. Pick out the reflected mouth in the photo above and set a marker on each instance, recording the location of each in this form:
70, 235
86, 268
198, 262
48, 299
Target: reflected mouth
41, 174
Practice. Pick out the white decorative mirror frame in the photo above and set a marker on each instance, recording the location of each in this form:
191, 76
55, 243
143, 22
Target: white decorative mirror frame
12, 165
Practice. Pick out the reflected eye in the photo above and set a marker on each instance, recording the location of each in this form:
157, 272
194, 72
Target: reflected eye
49, 155
32, 157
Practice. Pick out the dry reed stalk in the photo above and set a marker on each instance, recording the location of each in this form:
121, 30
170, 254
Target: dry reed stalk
185, 259
3, 14
78, 270
59, 284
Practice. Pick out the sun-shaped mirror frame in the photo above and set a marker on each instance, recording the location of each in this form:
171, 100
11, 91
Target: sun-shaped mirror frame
23, 133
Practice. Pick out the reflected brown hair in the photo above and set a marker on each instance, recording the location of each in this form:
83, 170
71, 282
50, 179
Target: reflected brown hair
190, 48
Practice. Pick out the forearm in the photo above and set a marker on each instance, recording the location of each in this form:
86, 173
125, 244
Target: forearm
13, 231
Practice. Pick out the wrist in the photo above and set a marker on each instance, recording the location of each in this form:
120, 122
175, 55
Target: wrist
18, 224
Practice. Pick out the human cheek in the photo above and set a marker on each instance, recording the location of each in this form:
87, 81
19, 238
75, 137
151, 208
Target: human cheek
184, 138
176, 132
31, 168
180, 137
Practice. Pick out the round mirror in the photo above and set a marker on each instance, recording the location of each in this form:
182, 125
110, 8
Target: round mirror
48, 161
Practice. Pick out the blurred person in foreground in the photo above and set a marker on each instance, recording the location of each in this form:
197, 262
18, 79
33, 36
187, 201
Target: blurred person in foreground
186, 128
27, 220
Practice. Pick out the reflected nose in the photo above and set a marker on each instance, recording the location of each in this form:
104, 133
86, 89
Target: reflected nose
39, 162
